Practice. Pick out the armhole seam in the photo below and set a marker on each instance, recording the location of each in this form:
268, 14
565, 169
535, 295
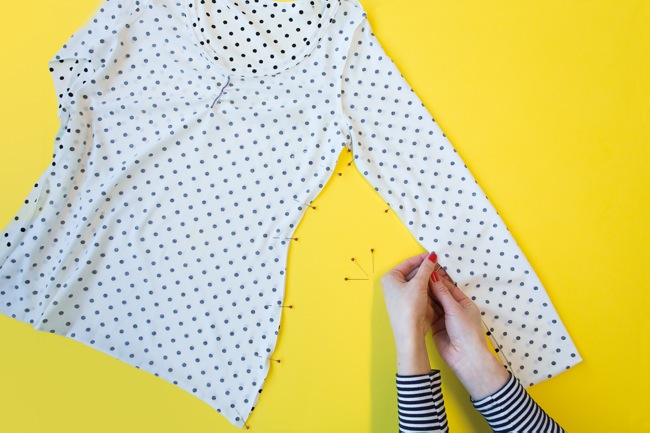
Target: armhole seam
341, 107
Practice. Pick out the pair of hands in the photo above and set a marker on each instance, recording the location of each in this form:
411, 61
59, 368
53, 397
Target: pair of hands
419, 297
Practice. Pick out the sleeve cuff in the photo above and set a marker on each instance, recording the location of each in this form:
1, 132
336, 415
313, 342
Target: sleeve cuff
499, 397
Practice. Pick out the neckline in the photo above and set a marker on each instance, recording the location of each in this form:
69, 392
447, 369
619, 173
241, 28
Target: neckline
192, 14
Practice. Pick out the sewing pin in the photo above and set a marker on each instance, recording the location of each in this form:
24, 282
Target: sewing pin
362, 270
305, 204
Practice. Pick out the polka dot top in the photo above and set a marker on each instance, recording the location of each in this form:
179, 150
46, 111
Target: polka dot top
194, 134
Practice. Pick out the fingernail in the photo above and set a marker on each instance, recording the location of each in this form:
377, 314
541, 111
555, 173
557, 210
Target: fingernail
433, 257
435, 278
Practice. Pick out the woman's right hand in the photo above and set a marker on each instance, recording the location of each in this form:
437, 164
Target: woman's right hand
458, 336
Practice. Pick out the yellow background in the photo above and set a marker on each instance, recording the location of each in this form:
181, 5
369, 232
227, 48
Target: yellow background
549, 105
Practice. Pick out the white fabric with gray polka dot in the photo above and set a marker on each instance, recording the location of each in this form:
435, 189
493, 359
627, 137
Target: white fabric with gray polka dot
193, 134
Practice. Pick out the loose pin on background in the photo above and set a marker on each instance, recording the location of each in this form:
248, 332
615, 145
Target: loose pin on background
372, 258
359, 266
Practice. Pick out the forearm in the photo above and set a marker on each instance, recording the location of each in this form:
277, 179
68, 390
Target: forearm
412, 357
420, 404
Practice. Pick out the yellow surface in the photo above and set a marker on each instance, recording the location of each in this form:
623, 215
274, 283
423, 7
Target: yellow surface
549, 105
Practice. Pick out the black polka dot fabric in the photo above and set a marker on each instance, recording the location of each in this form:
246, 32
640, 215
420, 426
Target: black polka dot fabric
193, 134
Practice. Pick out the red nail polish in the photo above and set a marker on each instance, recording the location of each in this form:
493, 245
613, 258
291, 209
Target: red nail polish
433, 257
435, 278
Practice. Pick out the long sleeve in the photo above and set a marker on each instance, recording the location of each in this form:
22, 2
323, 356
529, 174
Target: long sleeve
511, 409
406, 157
83, 54
75, 65
420, 405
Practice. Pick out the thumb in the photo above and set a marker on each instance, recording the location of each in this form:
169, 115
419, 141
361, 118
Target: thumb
426, 269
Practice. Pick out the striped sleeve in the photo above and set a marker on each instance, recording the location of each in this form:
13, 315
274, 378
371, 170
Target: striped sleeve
420, 405
511, 409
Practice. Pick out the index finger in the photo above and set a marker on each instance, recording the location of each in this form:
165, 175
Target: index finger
408, 265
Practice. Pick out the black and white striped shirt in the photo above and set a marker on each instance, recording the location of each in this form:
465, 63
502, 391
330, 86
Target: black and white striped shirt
421, 407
